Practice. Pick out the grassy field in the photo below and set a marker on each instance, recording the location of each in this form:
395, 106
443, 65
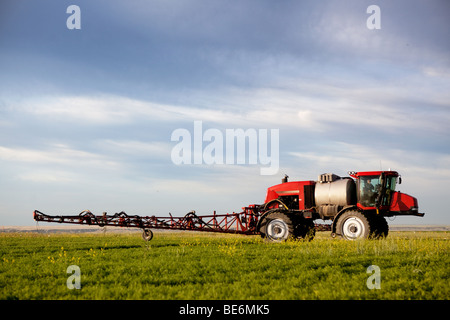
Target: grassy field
189, 265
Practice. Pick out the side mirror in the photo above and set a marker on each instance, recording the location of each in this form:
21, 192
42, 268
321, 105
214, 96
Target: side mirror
400, 180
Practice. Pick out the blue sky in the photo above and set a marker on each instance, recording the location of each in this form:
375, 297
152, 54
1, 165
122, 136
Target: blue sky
86, 115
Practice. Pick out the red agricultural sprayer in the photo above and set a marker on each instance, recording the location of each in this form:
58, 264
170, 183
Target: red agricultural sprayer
356, 205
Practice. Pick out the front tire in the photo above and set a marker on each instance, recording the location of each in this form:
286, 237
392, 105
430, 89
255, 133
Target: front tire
353, 225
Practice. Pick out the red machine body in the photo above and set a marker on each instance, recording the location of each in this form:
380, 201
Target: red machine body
299, 193
403, 204
356, 205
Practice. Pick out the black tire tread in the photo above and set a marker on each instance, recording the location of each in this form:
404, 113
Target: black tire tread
369, 223
277, 214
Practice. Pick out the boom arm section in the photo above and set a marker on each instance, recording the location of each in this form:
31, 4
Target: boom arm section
244, 222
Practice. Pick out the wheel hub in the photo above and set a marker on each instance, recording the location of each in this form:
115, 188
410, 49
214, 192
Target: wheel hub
277, 230
353, 228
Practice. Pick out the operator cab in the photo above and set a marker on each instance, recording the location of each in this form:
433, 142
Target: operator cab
375, 188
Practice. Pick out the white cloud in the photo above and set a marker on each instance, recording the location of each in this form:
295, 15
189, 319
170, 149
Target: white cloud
104, 109
136, 148
404, 38
316, 106
347, 156
436, 72
56, 154
48, 176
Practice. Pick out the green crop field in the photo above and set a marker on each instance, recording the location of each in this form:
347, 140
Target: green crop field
190, 265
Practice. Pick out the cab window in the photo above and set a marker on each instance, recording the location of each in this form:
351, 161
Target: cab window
369, 187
